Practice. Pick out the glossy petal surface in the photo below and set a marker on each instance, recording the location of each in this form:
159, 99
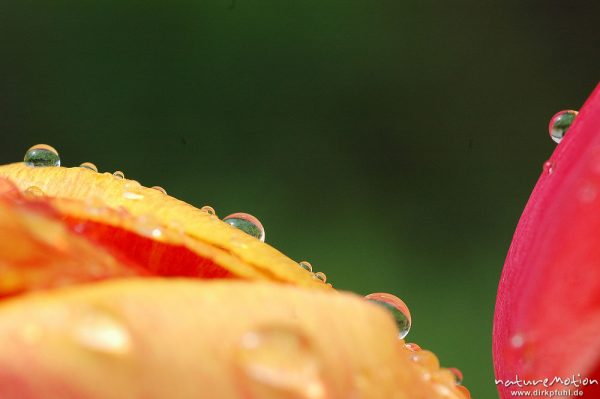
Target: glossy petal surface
547, 319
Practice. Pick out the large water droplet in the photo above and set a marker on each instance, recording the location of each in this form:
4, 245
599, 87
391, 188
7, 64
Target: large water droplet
306, 266
560, 123
397, 307
90, 166
119, 175
247, 223
280, 360
41, 155
101, 332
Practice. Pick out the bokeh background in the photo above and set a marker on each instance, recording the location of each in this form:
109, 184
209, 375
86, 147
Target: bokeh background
393, 144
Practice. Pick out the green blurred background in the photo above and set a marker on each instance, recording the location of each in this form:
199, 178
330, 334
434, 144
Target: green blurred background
393, 144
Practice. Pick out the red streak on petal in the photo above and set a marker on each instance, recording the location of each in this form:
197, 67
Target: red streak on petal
44, 249
157, 258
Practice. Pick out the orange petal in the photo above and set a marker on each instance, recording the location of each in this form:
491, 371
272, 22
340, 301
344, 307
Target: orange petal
104, 190
214, 339
235, 336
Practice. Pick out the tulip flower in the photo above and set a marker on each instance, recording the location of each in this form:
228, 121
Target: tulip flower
109, 289
547, 318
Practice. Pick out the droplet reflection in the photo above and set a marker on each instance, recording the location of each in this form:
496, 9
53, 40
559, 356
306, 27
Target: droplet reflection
247, 223
397, 307
306, 266
41, 155
560, 124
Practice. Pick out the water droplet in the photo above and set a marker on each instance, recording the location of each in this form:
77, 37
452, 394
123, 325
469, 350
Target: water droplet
426, 359
321, 276
517, 341
34, 191
413, 347
101, 332
132, 190
458, 375
306, 266
247, 223
118, 174
159, 188
560, 123
548, 167
90, 166
280, 360
209, 210
397, 307
41, 155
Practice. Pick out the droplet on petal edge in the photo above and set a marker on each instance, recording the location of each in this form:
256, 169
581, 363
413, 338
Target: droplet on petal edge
159, 188
321, 276
247, 223
208, 209
548, 167
397, 307
41, 155
89, 166
458, 375
118, 174
426, 359
412, 346
560, 123
306, 266
279, 359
